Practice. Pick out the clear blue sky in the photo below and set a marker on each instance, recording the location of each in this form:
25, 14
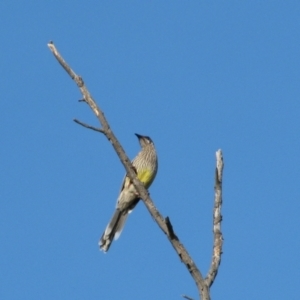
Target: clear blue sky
196, 76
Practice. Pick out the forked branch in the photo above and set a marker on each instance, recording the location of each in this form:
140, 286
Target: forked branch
165, 224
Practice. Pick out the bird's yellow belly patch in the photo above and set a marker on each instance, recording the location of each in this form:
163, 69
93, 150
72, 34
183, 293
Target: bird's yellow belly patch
145, 177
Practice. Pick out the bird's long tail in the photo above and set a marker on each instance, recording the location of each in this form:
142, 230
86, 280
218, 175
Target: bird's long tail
113, 229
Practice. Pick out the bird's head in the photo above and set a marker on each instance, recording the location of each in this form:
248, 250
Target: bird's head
144, 140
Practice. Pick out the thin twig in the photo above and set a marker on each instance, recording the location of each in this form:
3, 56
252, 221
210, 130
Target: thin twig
89, 126
177, 245
217, 219
187, 297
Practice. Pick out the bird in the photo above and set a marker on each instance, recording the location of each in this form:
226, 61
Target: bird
145, 164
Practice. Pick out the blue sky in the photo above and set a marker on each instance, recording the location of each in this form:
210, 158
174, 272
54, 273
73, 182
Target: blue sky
196, 76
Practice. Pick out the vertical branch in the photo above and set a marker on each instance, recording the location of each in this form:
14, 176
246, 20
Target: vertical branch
217, 219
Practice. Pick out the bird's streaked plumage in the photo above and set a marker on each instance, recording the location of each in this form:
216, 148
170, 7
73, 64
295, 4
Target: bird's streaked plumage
145, 164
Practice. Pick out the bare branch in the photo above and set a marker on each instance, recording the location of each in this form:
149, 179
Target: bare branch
178, 247
88, 126
217, 219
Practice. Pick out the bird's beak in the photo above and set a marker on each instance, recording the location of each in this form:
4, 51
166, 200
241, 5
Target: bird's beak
139, 136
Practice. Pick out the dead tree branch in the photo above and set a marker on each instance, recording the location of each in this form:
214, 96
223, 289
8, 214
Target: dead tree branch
164, 224
217, 219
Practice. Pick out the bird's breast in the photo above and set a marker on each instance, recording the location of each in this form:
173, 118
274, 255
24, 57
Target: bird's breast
146, 177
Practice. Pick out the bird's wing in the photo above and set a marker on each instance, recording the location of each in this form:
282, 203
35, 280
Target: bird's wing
126, 180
